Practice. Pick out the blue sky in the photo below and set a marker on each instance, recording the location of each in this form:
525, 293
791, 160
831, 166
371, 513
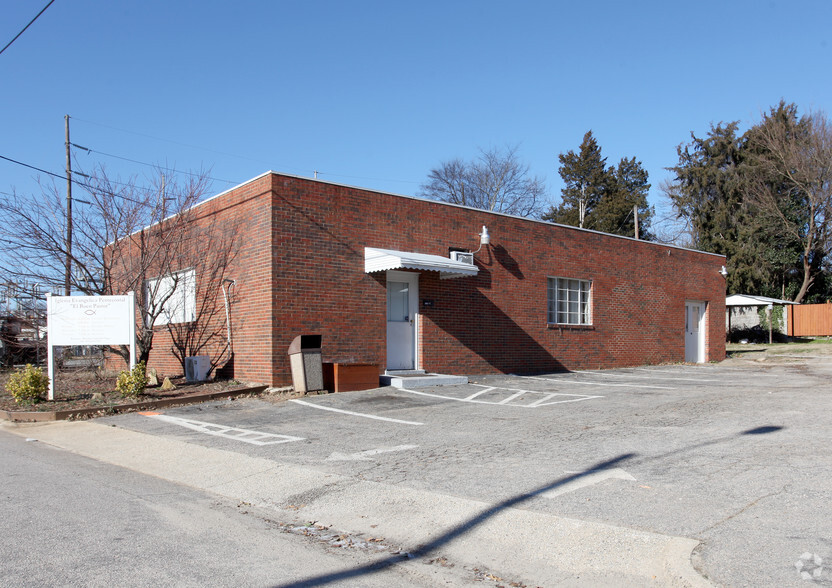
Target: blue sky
375, 94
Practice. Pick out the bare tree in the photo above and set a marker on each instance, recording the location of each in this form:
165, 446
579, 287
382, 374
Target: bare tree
217, 246
495, 181
127, 237
790, 180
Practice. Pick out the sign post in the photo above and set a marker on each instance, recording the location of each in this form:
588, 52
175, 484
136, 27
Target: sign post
89, 320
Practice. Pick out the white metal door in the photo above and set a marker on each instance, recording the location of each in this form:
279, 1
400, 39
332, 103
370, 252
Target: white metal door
694, 333
402, 306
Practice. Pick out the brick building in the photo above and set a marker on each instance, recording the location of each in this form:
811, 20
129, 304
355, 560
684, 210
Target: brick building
373, 274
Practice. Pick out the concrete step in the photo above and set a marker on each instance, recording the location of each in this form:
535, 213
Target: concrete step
419, 379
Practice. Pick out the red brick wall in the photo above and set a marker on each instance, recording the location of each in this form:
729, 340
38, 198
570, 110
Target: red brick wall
246, 211
301, 270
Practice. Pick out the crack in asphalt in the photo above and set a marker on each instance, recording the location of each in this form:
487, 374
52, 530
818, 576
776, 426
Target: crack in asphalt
742, 510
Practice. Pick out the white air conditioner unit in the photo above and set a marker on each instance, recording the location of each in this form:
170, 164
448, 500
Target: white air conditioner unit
197, 368
463, 256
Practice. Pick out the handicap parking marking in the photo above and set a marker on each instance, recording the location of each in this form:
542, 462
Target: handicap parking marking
606, 384
234, 433
510, 396
358, 414
484, 390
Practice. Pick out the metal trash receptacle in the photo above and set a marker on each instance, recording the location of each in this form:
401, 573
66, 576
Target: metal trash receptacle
305, 361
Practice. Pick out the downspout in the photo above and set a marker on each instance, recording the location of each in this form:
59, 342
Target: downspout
226, 286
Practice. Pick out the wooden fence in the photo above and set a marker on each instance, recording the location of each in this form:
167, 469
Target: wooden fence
810, 320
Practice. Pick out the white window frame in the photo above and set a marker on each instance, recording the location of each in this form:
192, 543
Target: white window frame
177, 293
569, 301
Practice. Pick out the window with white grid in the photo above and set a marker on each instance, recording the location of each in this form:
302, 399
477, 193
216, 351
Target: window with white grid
569, 301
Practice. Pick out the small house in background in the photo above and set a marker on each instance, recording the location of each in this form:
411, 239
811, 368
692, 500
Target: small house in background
745, 315
405, 284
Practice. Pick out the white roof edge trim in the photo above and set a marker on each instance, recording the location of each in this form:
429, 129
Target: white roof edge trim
380, 260
439, 202
491, 212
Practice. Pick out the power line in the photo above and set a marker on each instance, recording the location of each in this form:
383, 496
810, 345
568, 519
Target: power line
232, 155
626, 218
82, 184
26, 27
235, 182
43, 171
169, 140
170, 169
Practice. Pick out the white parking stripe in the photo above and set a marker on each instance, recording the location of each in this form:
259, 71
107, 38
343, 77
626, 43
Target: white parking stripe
512, 397
542, 402
580, 398
597, 383
244, 435
358, 414
712, 371
483, 391
617, 375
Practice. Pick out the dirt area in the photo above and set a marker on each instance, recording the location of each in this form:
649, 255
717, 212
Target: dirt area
91, 388
86, 388
778, 352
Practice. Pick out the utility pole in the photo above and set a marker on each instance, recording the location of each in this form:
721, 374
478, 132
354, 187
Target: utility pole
68, 269
635, 217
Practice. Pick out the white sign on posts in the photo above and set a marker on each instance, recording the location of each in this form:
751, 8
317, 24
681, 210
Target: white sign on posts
90, 320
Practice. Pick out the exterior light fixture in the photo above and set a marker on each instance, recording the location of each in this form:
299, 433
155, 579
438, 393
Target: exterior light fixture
485, 238
723, 272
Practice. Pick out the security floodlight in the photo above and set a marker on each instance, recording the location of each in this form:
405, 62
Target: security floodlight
485, 238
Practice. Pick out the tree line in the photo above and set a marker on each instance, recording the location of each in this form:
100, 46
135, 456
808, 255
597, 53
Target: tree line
762, 198
594, 196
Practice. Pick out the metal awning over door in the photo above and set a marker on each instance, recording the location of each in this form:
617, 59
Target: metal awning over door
380, 260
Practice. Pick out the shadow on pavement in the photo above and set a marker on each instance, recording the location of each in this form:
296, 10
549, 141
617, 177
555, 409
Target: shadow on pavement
454, 532
488, 513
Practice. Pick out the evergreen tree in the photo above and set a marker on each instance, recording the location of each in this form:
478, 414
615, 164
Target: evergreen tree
586, 180
628, 190
601, 198
708, 193
717, 178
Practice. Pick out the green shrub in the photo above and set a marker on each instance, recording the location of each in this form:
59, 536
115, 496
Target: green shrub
28, 385
776, 318
131, 384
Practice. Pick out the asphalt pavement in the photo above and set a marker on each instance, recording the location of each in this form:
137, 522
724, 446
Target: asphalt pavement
73, 521
669, 475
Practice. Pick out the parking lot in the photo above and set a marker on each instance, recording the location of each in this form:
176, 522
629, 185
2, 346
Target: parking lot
734, 455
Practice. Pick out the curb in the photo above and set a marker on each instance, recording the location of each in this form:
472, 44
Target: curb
43, 416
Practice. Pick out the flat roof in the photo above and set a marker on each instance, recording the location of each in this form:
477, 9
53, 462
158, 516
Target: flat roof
439, 202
